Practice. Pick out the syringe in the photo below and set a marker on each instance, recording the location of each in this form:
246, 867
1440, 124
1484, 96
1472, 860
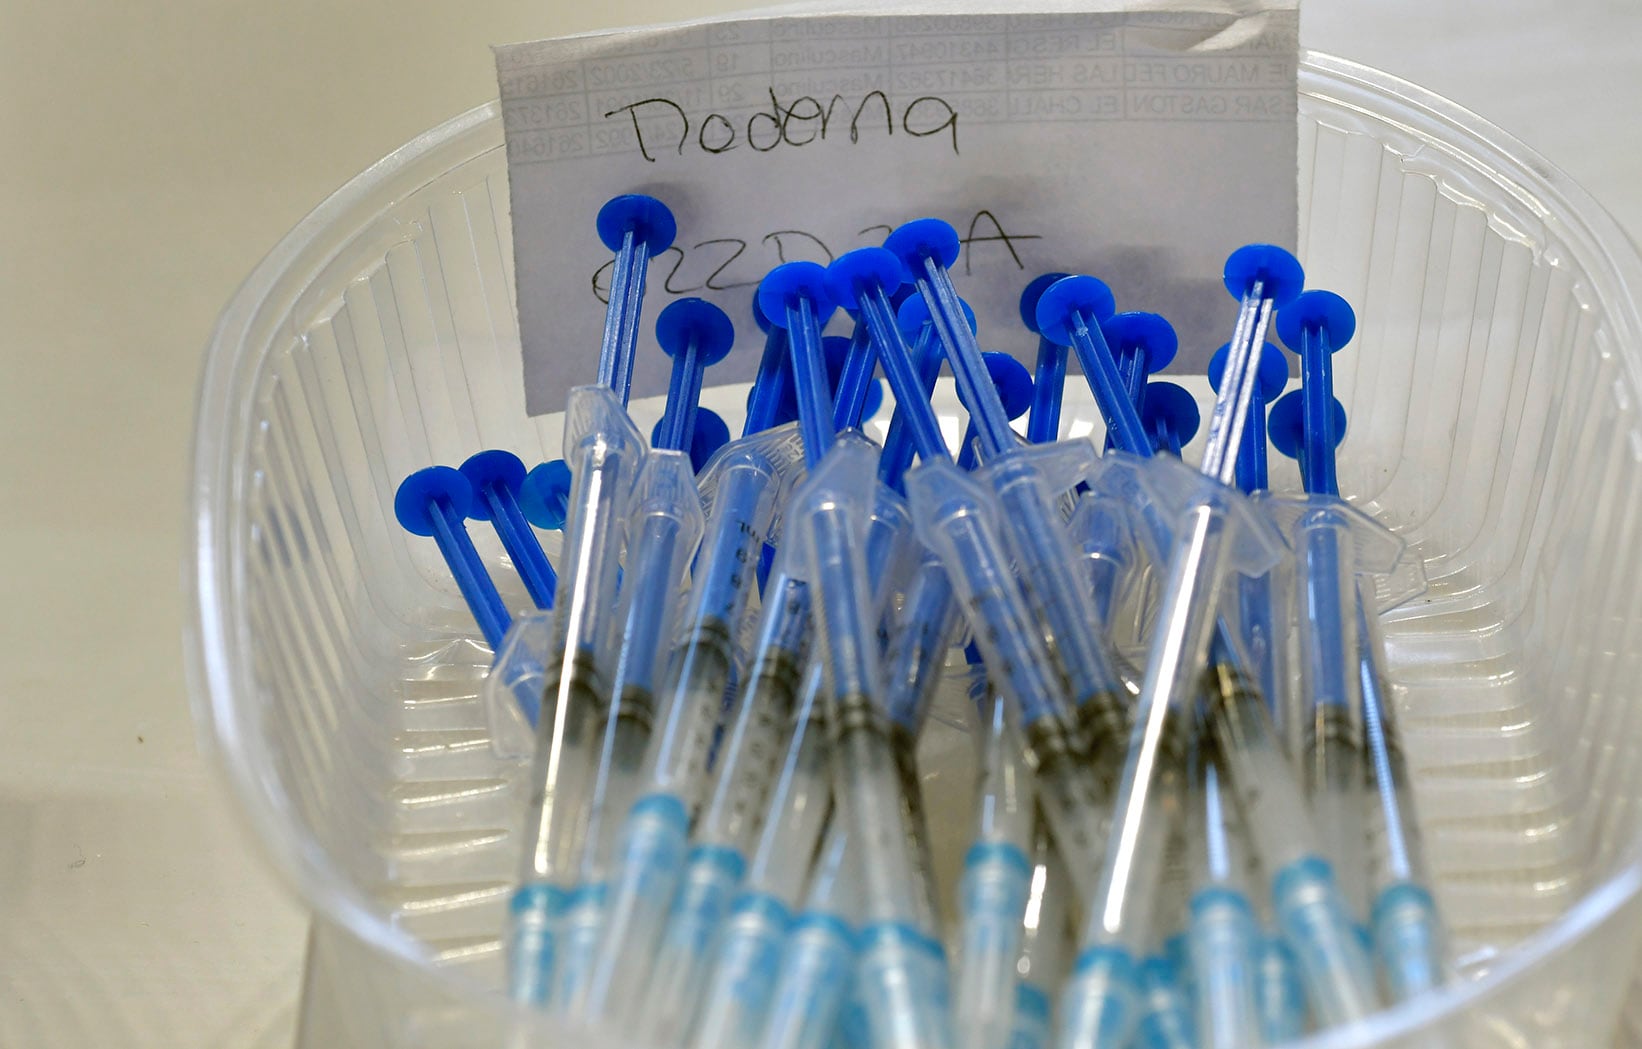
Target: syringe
957, 519
741, 485
1310, 908
923, 634
1258, 597
902, 974
997, 874
1166, 983
1332, 543
1409, 941
652, 852
604, 452
736, 996
1026, 480
434, 502
737, 991
1222, 932
662, 533
1039, 968
1216, 534
818, 960
747, 762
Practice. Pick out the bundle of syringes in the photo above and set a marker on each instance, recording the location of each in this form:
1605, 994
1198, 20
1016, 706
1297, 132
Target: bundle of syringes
1175, 679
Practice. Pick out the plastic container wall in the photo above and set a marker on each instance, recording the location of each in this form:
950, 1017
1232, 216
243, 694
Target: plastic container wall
1493, 396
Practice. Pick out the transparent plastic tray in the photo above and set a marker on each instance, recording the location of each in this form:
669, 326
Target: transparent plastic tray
1493, 394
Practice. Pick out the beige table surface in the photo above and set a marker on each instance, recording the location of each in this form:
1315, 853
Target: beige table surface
149, 154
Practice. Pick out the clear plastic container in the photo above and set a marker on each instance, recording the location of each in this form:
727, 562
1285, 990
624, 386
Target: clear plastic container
1493, 392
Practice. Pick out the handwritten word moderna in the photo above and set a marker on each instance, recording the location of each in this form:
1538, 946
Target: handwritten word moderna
799, 123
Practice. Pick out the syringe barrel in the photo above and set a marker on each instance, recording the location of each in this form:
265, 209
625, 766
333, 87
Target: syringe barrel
1100, 1006
750, 755
534, 915
1326, 589
1165, 1020
1072, 800
902, 982
1336, 784
1263, 644
649, 591
956, 518
663, 530
1282, 997
691, 702
562, 775
1100, 530
737, 997
711, 879
992, 896
1274, 809
1223, 937
605, 453
649, 858
817, 969
626, 739
799, 803
1335, 966
1005, 795
1403, 857
914, 817
843, 601
1046, 558
887, 549
1148, 792
581, 928
1044, 925
919, 643
866, 789
1125, 902
1409, 942
744, 489
1310, 908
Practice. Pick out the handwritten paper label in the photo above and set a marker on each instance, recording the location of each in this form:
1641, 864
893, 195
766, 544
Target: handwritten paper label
1141, 147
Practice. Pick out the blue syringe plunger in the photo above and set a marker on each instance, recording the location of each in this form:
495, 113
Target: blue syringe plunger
1141, 334
1031, 294
687, 320
920, 239
497, 477
648, 219
544, 494
1170, 414
1317, 310
1287, 428
498, 467
413, 503
1278, 272
913, 313
711, 434
1272, 375
1013, 382
1084, 296
866, 267
789, 282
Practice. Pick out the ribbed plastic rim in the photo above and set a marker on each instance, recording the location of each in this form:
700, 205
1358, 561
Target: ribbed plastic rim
216, 639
